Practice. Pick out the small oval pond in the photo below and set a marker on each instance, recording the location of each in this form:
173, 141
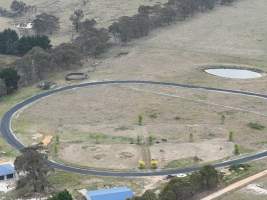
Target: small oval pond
234, 73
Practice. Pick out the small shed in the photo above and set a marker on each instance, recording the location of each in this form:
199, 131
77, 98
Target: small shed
7, 172
119, 193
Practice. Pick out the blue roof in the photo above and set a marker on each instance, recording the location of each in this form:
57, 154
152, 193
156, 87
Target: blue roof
120, 193
6, 169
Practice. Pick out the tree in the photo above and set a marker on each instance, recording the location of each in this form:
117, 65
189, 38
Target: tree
18, 6
45, 24
66, 55
168, 14
191, 137
128, 28
64, 195
140, 120
210, 177
222, 118
26, 43
236, 149
8, 39
177, 189
226, 2
148, 195
150, 140
35, 169
231, 136
11, 78
34, 66
92, 41
76, 18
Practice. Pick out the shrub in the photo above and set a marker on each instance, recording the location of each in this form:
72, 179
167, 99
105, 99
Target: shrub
64, 195
11, 78
236, 149
11, 44
231, 136
25, 44
256, 126
140, 120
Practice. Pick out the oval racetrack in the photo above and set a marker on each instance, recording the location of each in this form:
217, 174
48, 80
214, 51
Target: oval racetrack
10, 137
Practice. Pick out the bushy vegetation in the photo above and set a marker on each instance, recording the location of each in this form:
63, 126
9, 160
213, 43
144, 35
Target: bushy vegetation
45, 24
187, 187
11, 78
91, 40
151, 17
33, 171
63, 195
256, 126
11, 44
17, 8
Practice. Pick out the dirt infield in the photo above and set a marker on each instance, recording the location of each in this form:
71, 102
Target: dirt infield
106, 117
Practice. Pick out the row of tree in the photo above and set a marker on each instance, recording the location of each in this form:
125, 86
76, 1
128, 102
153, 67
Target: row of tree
89, 40
151, 17
187, 187
10, 43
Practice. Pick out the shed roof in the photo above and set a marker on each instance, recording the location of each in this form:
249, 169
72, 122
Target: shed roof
6, 169
120, 193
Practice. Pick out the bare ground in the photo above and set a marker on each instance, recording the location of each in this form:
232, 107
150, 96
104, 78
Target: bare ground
107, 117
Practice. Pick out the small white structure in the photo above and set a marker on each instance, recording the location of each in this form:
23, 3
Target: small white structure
25, 25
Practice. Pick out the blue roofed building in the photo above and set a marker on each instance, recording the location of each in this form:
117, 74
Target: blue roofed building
7, 172
120, 193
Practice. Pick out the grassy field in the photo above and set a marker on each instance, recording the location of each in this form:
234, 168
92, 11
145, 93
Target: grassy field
107, 116
5, 103
256, 191
96, 9
182, 123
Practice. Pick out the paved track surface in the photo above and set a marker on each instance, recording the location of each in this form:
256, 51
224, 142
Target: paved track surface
9, 136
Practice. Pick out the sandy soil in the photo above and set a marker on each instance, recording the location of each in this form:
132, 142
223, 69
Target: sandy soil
100, 156
206, 151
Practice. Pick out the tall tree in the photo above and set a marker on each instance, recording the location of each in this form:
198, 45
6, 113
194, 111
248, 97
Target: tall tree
11, 78
92, 41
25, 44
8, 39
210, 177
18, 6
45, 24
76, 19
33, 166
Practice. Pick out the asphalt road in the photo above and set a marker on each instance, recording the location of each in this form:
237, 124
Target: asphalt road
9, 136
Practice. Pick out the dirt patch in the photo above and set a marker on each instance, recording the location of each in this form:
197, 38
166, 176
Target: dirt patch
205, 151
116, 156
